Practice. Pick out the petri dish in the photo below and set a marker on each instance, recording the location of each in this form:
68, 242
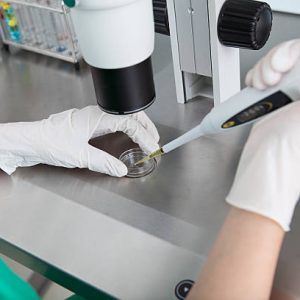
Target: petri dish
130, 157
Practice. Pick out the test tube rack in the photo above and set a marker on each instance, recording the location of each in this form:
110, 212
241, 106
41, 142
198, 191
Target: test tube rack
41, 26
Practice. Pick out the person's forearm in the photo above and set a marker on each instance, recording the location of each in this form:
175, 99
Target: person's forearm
18, 145
242, 263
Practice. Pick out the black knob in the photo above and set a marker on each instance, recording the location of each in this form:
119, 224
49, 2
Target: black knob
245, 24
161, 17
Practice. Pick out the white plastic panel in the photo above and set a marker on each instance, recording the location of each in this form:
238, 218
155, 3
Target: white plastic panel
175, 52
201, 37
225, 60
290, 6
183, 11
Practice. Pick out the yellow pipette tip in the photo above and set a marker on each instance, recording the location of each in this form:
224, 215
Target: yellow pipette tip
154, 154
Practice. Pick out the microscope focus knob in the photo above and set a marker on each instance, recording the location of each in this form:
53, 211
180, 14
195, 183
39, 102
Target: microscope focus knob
245, 24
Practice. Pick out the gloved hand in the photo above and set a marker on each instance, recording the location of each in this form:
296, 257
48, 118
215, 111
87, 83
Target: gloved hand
267, 181
270, 69
62, 140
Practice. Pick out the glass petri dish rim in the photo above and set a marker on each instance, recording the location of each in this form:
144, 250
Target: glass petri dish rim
139, 171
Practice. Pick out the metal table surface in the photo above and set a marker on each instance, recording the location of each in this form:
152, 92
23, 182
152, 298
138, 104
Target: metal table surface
128, 238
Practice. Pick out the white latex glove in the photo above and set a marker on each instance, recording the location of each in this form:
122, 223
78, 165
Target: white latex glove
270, 69
62, 140
267, 181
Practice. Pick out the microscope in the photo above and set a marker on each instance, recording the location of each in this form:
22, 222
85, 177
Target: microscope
116, 38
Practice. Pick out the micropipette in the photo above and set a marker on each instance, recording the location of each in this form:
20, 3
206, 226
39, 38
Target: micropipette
245, 107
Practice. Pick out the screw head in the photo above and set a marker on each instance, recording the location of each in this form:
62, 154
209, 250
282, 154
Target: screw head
191, 10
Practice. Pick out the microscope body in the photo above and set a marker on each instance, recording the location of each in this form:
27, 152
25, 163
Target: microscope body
116, 38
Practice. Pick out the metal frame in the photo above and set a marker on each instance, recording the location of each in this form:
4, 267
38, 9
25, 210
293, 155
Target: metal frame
20, 2
201, 64
75, 56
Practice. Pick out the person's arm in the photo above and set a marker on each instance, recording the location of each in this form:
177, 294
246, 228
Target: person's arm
264, 194
63, 140
243, 260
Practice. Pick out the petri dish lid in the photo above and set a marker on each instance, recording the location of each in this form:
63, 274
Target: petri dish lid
130, 157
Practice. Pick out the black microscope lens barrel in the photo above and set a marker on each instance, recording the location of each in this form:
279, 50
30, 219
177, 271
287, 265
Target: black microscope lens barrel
125, 90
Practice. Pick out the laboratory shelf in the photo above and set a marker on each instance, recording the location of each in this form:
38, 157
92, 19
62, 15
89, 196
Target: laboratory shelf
41, 26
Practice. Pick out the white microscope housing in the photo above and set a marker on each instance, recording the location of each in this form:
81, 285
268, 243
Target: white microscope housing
116, 38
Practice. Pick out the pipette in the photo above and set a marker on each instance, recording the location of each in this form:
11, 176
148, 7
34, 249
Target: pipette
245, 107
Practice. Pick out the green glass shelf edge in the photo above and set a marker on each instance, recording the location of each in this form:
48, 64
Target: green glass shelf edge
64, 279
75, 297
